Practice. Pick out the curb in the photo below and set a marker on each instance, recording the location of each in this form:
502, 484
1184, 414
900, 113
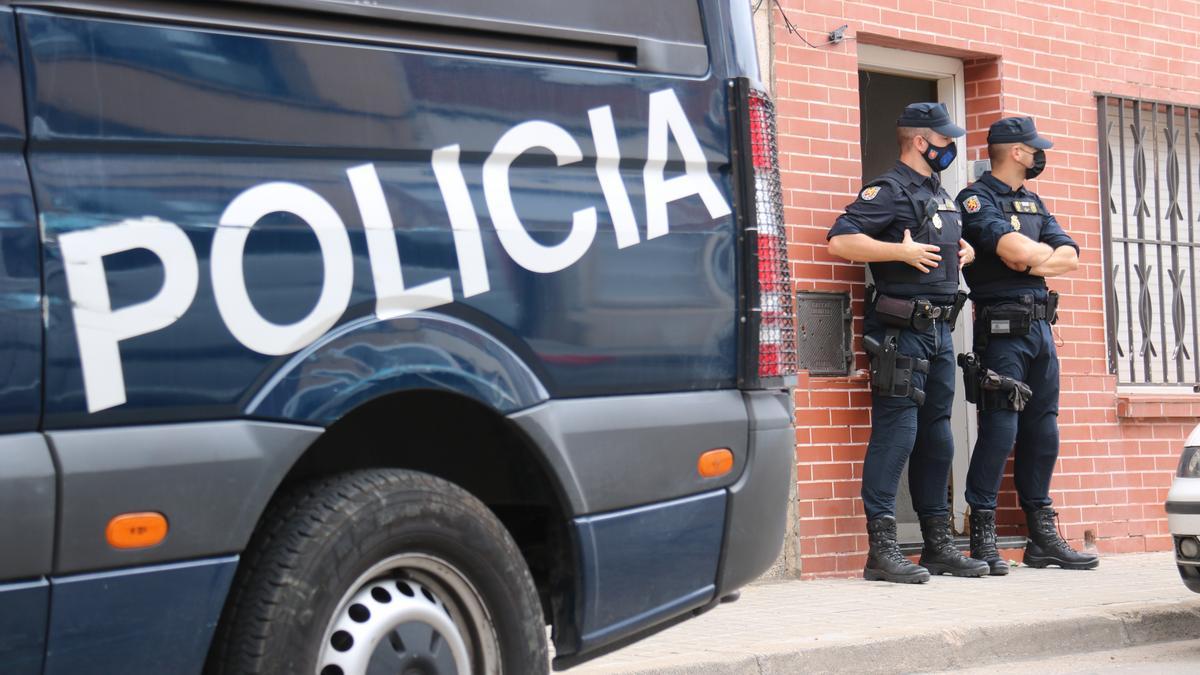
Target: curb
948, 649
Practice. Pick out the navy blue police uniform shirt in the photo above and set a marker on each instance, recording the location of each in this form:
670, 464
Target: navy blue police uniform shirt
881, 213
987, 213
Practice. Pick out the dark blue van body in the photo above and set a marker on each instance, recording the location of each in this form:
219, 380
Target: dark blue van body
237, 238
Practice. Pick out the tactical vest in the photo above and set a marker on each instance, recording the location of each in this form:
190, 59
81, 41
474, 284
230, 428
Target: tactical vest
989, 275
943, 228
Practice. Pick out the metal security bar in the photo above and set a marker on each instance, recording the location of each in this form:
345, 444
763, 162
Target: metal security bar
1150, 201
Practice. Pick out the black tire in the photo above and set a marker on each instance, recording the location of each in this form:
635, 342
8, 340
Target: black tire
321, 537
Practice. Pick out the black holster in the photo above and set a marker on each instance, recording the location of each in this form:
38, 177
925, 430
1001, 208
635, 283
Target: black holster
891, 371
972, 370
989, 389
1000, 392
960, 299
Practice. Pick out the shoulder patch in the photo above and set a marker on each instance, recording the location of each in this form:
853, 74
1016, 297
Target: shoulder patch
870, 193
972, 204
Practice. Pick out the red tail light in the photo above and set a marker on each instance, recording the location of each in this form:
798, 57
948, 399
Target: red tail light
771, 296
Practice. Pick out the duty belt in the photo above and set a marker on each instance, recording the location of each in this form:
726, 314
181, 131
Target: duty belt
941, 312
946, 312
919, 313
1039, 310
1012, 317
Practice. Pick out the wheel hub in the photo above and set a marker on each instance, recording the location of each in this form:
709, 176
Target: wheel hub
394, 626
409, 615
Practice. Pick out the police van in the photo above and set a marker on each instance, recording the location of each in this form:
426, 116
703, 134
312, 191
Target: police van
344, 337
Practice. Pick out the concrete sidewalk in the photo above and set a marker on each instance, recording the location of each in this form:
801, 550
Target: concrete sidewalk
855, 626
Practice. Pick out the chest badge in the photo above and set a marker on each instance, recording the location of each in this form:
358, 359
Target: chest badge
972, 204
937, 220
1016, 223
870, 193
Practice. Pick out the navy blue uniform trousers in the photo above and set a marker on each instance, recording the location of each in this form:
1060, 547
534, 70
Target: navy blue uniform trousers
902, 431
1032, 359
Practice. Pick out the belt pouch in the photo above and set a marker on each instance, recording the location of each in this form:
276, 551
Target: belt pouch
895, 312
1008, 320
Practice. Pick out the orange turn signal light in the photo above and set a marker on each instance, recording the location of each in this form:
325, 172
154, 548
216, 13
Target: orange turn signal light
715, 463
136, 530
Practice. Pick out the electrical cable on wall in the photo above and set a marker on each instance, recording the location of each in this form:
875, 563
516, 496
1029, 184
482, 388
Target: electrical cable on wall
835, 36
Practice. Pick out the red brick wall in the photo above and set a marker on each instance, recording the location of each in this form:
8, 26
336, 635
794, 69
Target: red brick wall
1020, 57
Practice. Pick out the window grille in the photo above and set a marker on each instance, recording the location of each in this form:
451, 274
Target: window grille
1150, 202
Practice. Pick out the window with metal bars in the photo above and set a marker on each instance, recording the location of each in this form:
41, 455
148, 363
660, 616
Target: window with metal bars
1150, 202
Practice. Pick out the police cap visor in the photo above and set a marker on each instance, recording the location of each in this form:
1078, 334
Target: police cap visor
1017, 130
930, 116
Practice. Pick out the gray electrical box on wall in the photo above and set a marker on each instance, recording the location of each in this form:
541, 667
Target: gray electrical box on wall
823, 333
978, 167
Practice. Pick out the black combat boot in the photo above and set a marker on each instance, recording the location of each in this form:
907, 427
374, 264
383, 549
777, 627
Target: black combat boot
885, 562
1045, 547
983, 541
941, 556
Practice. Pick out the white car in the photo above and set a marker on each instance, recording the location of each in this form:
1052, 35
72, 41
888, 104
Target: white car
1183, 512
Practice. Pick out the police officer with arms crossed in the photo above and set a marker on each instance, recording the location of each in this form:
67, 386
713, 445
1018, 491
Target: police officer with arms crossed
1013, 373
908, 230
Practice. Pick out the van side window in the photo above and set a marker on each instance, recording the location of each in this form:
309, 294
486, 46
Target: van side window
663, 36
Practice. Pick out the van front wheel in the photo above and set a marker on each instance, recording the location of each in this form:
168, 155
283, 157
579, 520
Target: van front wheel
381, 571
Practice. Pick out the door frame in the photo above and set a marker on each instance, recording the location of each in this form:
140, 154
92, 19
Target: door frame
948, 73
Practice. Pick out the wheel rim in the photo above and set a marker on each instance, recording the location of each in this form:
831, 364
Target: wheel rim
411, 614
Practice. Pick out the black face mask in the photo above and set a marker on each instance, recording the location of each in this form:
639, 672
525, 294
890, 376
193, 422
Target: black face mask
940, 158
1039, 165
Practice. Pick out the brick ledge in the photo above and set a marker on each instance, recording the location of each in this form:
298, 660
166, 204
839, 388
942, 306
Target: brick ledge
1158, 406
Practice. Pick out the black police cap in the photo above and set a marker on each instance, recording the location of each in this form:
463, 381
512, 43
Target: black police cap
1017, 130
930, 116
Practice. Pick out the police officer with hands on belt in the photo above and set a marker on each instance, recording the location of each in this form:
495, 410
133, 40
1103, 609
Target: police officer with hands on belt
908, 230
1013, 374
